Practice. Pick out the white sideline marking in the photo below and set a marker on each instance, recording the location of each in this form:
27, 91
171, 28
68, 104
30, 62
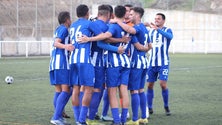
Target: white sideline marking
191, 68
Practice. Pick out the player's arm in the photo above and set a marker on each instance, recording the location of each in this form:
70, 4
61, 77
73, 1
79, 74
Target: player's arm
168, 34
127, 28
58, 44
124, 39
98, 37
109, 47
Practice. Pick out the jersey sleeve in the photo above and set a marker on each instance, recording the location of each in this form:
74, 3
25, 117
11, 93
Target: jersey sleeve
94, 28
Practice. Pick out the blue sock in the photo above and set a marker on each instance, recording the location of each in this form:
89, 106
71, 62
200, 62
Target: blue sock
165, 95
115, 113
143, 104
124, 115
55, 98
60, 104
135, 102
94, 105
83, 114
76, 112
105, 103
80, 98
150, 95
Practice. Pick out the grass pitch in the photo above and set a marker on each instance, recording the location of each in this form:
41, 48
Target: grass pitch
195, 84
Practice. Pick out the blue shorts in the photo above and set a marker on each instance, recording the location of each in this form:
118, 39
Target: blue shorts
59, 76
117, 76
124, 76
99, 77
137, 79
160, 72
82, 74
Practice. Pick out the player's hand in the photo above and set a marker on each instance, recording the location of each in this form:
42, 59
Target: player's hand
121, 49
147, 24
152, 25
69, 47
83, 39
126, 39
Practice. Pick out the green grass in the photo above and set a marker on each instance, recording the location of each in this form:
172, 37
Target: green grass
194, 82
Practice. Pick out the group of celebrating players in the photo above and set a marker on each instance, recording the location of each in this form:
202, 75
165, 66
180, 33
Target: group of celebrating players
107, 56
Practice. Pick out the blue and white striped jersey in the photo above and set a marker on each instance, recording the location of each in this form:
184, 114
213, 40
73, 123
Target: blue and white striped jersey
138, 58
59, 57
116, 59
82, 26
97, 54
160, 39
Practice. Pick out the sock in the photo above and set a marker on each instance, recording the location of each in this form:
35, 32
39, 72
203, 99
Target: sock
124, 115
150, 95
55, 98
94, 104
105, 103
135, 102
76, 112
143, 105
60, 104
83, 114
115, 114
165, 95
80, 98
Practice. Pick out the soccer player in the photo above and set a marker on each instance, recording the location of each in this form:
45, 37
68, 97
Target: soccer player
81, 70
118, 68
161, 37
59, 67
139, 63
97, 55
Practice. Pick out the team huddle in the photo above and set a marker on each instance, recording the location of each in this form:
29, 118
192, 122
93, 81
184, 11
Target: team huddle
106, 56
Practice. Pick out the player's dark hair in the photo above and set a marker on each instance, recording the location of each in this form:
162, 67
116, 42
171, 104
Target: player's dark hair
139, 10
63, 16
82, 10
128, 5
120, 11
162, 15
103, 10
110, 8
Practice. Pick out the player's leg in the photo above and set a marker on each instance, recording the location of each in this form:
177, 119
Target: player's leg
112, 83
152, 77
87, 76
163, 76
95, 101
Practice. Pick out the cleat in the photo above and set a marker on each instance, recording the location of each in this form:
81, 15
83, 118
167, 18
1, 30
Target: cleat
97, 117
131, 122
167, 110
56, 122
143, 121
64, 115
150, 111
106, 118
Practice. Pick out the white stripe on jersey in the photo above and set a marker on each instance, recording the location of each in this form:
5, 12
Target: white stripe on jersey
159, 56
75, 55
57, 63
82, 55
139, 63
94, 58
115, 59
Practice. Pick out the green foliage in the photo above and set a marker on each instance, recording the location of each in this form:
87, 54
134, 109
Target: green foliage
194, 84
